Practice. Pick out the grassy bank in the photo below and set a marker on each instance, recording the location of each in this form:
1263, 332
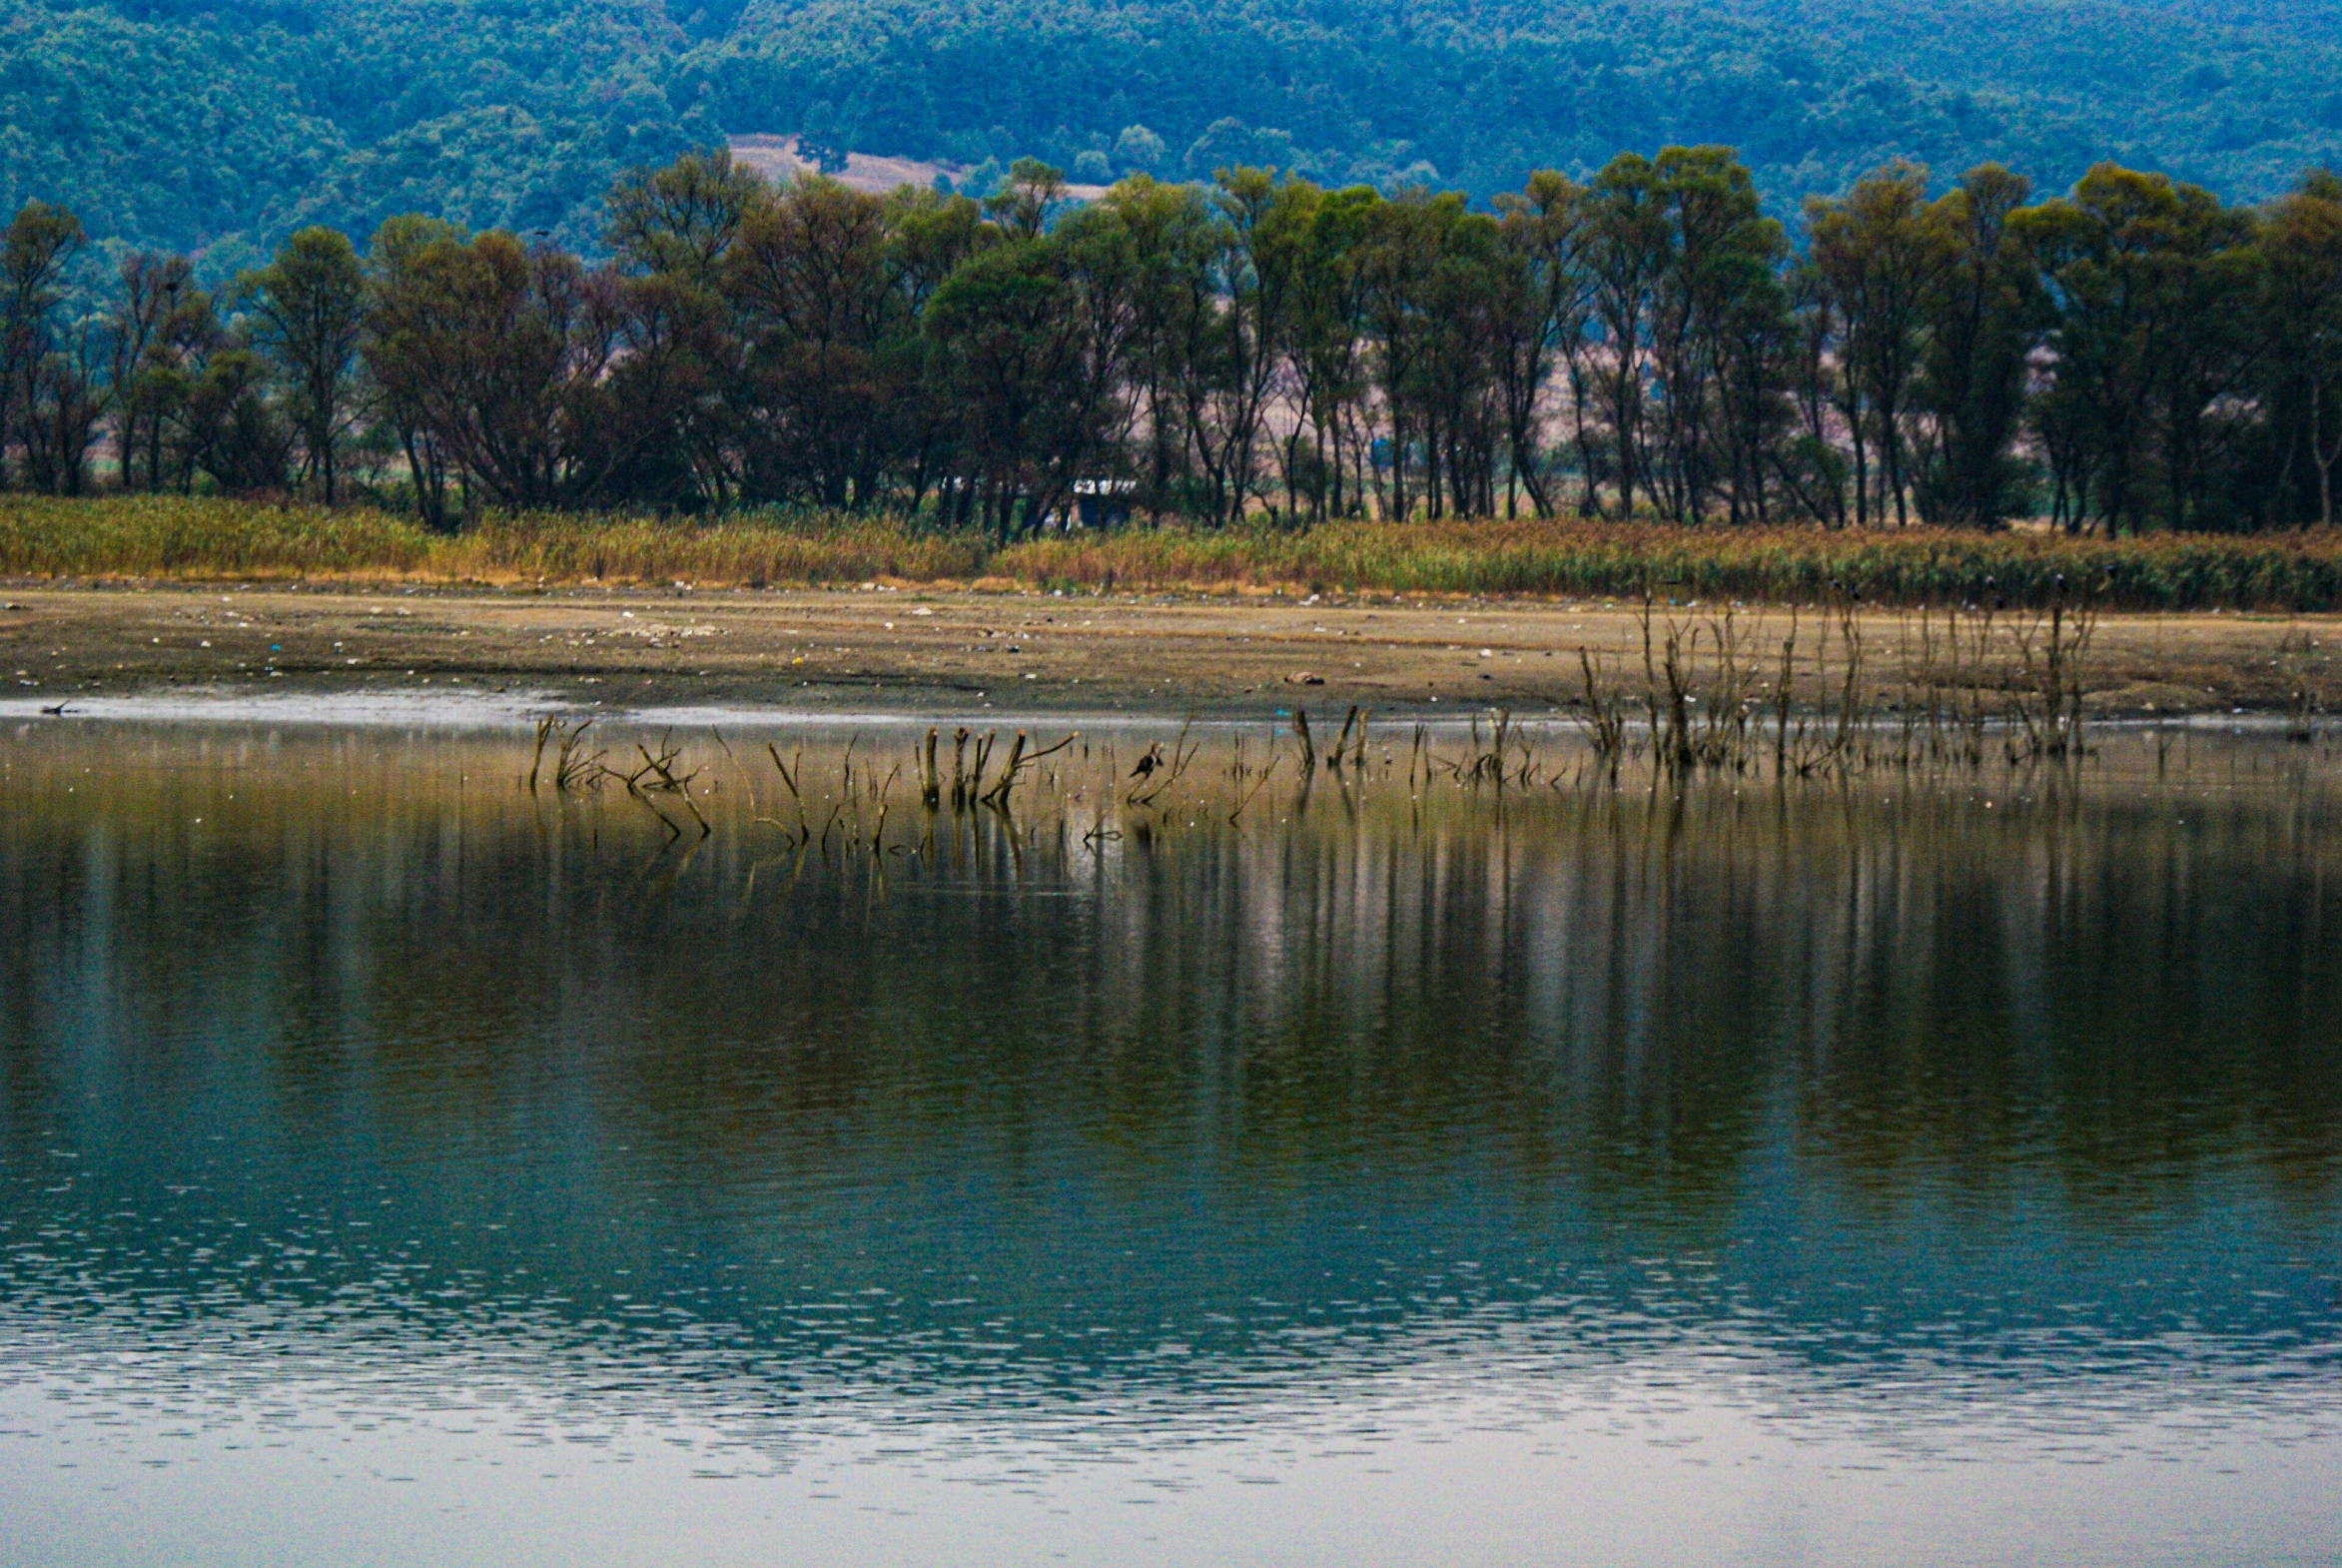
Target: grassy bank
214, 541
1569, 558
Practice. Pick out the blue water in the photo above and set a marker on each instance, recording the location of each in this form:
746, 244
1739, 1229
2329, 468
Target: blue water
398, 1166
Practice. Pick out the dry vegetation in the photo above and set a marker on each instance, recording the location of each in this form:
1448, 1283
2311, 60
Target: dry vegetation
197, 539
1689, 643
926, 799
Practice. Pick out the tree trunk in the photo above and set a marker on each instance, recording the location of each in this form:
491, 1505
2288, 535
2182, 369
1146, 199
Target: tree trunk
2324, 456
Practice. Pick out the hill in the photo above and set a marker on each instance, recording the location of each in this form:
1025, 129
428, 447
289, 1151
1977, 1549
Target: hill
219, 125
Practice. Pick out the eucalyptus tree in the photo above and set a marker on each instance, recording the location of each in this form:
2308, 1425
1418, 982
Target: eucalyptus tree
929, 235
1033, 336
1178, 240
674, 232
231, 424
682, 220
2303, 322
1982, 314
1629, 251
1542, 315
1754, 332
69, 398
1095, 254
390, 257
1033, 195
1400, 257
150, 292
2211, 446
1809, 464
1253, 342
1330, 232
1257, 278
36, 251
307, 314
2147, 285
501, 350
1715, 326
179, 363
812, 289
1881, 260
1474, 290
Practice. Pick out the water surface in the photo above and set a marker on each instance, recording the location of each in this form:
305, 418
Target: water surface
398, 1166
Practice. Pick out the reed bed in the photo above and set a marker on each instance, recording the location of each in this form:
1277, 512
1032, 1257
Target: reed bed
1750, 696
2292, 572
1773, 702
921, 800
199, 539
746, 551
216, 539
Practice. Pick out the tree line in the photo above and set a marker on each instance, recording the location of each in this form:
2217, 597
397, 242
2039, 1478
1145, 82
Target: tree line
2131, 356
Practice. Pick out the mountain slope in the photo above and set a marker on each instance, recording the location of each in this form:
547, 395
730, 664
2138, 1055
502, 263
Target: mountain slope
221, 125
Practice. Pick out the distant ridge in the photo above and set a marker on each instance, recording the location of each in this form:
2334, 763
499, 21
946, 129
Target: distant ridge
220, 125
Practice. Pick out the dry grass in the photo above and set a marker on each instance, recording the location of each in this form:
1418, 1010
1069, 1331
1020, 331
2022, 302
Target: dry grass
2295, 572
208, 539
167, 537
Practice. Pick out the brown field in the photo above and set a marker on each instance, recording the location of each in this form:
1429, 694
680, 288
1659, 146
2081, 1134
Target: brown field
775, 157
909, 649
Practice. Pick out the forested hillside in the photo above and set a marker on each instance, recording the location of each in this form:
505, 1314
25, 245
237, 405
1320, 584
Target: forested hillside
221, 127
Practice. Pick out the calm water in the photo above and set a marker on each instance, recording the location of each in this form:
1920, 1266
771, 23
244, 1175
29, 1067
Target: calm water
395, 1167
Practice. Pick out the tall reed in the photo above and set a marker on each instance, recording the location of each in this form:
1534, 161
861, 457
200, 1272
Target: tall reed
197, 539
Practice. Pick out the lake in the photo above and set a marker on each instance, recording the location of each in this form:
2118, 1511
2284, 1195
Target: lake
399, 1165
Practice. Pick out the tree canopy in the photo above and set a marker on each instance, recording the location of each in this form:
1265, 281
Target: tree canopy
2134, 355
220, 126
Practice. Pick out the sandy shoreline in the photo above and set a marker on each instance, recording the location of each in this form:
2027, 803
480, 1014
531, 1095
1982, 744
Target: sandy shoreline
471, 657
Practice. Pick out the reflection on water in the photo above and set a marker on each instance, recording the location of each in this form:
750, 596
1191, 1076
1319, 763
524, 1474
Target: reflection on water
1379, 1176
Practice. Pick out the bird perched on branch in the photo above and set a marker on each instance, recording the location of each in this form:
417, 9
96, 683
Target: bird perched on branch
1150, 762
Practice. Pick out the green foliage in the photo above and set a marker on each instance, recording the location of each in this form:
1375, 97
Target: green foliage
308, 312
223, 128
220, 126
1476, 96
484, 168
1646, 344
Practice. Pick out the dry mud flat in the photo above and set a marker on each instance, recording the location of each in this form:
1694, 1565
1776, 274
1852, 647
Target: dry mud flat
881, 650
